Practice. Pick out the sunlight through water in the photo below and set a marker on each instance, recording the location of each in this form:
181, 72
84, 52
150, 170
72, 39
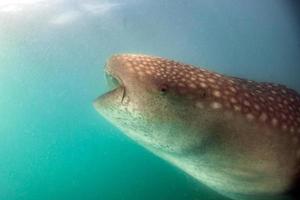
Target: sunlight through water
13, 6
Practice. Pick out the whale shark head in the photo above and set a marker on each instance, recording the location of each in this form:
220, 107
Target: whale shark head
238, 136
151, 99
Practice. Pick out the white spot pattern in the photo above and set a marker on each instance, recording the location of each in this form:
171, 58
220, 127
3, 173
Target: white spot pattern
270, 104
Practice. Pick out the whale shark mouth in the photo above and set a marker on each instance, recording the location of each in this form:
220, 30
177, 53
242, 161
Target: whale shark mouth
114, 83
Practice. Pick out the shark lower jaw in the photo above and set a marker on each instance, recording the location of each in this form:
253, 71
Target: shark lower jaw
110, 100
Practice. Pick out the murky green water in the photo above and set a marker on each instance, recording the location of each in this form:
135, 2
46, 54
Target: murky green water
53, 144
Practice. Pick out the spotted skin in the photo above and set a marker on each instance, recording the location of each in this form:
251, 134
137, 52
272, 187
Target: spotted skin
272, 104
260, 122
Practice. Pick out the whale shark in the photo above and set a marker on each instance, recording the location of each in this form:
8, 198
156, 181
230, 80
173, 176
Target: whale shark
239, 137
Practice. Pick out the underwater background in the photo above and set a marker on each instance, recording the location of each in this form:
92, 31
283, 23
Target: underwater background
54, 145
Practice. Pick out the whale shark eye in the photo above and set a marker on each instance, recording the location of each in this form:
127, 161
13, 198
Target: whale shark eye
163, 89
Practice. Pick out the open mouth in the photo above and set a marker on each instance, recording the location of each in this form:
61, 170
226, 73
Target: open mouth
112, 81
115, 83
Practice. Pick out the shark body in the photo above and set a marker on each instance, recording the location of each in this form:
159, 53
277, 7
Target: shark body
237, 136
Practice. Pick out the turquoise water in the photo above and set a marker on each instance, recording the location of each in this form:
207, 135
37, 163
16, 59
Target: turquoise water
53, 144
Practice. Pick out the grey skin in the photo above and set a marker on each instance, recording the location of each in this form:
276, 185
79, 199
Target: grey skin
240, 155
